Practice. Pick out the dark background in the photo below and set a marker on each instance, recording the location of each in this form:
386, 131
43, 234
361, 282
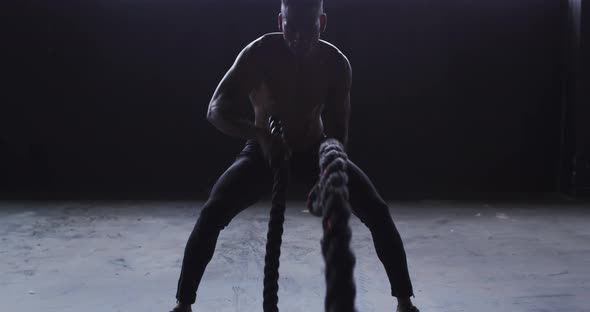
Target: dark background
450, 98
582, 155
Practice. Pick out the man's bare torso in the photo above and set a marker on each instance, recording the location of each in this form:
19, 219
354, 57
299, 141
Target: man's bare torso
294, 93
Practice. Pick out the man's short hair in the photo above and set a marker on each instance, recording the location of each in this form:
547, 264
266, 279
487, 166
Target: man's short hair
301, 3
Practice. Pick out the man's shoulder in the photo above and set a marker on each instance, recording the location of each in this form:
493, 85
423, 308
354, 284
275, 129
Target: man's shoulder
258, 49
264, 42
329, 47
335, 55
339, 63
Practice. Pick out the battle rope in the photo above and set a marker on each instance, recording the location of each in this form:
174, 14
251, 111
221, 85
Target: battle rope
332, 199
275, 224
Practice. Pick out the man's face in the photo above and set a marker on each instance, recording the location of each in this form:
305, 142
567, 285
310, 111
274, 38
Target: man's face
301, 28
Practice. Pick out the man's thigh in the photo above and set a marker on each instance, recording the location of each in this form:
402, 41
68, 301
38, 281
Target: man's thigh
365, 201
241, 185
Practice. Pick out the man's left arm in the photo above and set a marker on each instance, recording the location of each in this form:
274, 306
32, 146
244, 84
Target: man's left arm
336, 115
337, 107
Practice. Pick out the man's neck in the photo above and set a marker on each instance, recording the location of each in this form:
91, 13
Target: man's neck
303, 60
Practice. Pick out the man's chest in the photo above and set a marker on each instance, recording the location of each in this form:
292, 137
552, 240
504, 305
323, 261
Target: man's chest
282, 88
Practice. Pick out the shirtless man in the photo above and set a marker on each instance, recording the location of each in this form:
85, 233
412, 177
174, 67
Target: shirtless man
294, 76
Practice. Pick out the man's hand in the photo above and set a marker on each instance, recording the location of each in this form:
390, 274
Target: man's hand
312, 204
272, 146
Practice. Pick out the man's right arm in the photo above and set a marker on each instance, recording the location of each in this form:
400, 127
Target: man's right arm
237, 83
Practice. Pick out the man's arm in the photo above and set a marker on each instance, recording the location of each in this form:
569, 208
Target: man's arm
237, 83
337, 108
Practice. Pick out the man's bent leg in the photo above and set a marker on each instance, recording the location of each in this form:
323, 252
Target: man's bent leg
372, 210
240, 186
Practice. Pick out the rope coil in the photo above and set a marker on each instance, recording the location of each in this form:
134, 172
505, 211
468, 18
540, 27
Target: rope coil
336, 211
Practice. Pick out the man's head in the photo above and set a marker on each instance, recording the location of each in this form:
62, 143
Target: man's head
301, 22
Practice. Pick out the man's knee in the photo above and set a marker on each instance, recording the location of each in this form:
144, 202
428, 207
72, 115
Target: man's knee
215, 215
372, 212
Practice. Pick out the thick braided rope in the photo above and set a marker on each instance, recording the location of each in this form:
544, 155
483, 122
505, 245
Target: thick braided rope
333, 200
274, 235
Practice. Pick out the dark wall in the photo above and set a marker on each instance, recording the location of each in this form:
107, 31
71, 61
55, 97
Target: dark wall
448, 97
575, 179
582, 167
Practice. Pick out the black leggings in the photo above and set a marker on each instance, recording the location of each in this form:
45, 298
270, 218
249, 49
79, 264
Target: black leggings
249, 178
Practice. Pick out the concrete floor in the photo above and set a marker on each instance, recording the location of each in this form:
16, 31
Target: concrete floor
126, 256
